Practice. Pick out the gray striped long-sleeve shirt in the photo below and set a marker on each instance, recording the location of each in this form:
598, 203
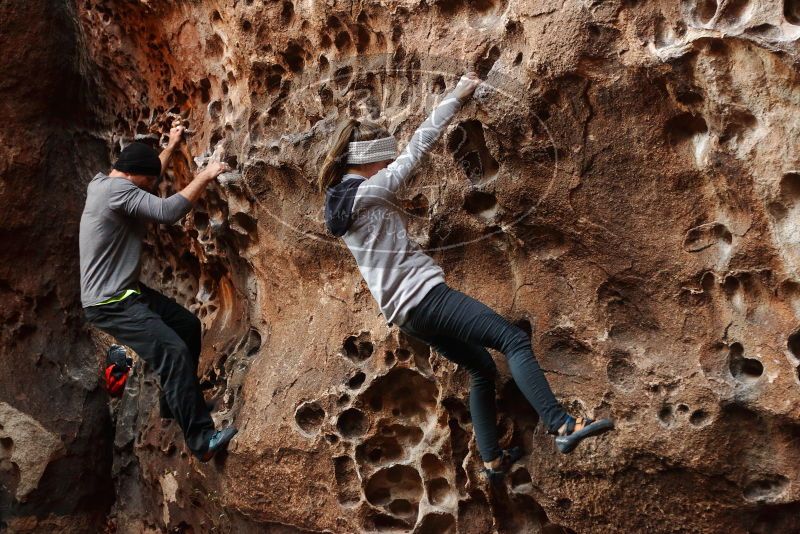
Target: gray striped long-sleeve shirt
111, 232
398, 273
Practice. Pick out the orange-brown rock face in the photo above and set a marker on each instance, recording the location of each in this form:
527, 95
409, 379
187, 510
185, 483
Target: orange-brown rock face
626, 186
55, 430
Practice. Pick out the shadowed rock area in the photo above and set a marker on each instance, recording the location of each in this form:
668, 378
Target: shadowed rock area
625, 187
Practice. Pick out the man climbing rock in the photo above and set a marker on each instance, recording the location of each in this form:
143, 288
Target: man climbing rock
163, 333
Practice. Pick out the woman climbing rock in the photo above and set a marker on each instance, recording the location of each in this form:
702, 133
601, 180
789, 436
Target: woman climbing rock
361, 175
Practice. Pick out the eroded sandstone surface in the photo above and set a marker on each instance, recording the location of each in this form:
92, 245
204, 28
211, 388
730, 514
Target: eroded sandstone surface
626, 187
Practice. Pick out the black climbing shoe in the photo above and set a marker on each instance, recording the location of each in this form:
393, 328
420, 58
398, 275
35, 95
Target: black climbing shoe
507, 458
567, 442
218, 442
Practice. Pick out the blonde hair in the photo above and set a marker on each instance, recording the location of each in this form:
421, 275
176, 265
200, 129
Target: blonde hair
348, 130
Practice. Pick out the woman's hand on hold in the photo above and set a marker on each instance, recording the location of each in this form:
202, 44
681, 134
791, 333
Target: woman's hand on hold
466, 85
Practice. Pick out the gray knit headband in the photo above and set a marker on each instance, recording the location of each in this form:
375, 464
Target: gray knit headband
371, 151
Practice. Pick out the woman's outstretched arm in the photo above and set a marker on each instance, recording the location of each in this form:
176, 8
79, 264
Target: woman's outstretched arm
391, 178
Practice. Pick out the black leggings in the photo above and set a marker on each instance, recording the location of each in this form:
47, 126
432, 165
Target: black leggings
167, 336
459, 327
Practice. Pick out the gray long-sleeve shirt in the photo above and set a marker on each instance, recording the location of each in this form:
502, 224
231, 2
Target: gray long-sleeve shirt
111, 232
398, 273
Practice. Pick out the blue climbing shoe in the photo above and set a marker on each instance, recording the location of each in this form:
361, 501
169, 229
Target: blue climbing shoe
507, 458
567, 442
218, 442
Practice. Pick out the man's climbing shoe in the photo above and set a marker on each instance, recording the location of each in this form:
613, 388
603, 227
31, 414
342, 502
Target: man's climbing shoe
507, 458
568, 438
218, 442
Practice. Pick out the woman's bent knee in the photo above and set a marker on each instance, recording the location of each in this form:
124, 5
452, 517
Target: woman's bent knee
518, 341
486, 370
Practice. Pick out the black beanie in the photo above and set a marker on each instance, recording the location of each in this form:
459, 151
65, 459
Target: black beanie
138, 158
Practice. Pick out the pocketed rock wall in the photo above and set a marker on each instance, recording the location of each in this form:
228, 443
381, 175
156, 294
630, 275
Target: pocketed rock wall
55, 430
626, 188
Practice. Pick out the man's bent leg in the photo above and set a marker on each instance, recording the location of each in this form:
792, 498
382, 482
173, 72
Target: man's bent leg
134, 324
186, 324
183, 322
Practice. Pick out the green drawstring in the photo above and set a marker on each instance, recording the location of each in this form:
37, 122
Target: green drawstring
125, 294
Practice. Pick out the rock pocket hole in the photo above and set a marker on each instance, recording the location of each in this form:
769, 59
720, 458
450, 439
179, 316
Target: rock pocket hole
767, 31
520, 478
485, 64
309, 417
766, 489
437, 523
343, 41
742, 368
347, 483
684, 126
480, 204
734, 11
468, 146
363, 39
294, 57
438, 491
358, 348
352, 423
524, 324
384, 523
402, 508
790, 186
287, 13
244, 225
253, 343
439, 85
6, 448
706, 235
734, 292
791, 10
356, 380
432, 466
397, 489
699, 418
688, 127
201, 221
739, 124
666, 415
703, 10
405, 393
